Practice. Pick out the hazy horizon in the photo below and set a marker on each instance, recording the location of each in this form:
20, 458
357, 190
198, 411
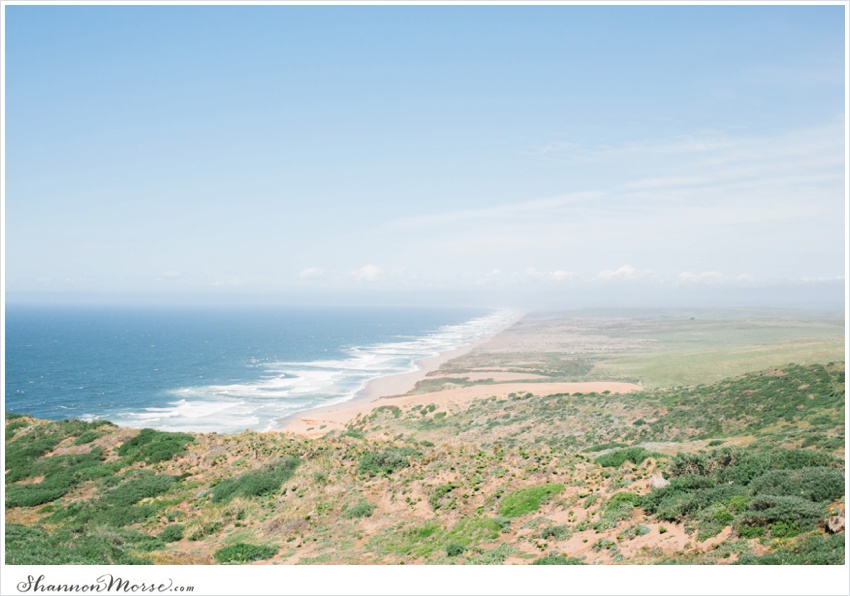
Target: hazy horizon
535, 157
818, 297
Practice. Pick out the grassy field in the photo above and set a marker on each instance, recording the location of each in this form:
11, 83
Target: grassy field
658, 348
717, 346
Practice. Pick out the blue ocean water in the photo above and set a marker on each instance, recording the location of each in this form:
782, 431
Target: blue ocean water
216, 369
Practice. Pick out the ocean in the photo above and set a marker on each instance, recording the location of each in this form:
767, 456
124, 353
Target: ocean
216, 369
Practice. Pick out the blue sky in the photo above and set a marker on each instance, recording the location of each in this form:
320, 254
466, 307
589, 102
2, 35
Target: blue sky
553, 155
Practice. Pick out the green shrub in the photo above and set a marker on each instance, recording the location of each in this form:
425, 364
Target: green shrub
11, 427
440, 499
117, 507
558, 560
427, 539
605, 543
385, 462
702, 464
205, 529
753, 465
172, 533
590, 501
152, 446
32, 495
87, 437
33, 545
559, 532
23, 451
604, 447
741, 466
713, 519
813, 550
615, 459
361, 509
394, 410
621, 498
503, 523
123, 516
672, 503
148, 544
132, 491
269, 478
780, 516
493, 556
526, 500
75, 467
61, 473
453, 549
618, 508
768, 492
814, 484
244, 553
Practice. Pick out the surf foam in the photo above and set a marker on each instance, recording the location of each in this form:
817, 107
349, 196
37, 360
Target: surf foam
287, 387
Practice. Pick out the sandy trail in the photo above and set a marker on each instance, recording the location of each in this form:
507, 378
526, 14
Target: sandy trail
320, 421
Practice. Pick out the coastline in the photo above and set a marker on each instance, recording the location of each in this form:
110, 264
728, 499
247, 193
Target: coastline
395, 390
385, 387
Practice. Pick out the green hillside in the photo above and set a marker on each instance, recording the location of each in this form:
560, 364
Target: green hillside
752, 469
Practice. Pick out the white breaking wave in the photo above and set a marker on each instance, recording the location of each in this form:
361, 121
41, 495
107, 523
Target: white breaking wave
290, 387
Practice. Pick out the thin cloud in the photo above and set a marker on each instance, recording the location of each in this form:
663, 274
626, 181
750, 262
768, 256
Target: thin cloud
311, 273
713, 277
741, 177
624, 272
556, 275
507, 212
489, 277
560, 274
368, 273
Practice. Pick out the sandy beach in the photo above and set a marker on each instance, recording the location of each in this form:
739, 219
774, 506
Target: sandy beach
380, 388
395, 390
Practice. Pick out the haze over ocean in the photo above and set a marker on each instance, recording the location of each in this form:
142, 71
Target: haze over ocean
216, 369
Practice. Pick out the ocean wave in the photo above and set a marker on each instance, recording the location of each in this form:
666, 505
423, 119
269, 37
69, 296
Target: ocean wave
287, 387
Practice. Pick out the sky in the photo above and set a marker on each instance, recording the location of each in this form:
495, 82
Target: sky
495, 155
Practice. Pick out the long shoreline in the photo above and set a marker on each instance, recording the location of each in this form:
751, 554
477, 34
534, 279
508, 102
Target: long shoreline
390, 385
396, 390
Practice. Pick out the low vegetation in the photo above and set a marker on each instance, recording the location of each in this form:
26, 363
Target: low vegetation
778, 493
255, 483
244, 553
615, 459
748, 470
526, 500
152, 446
386, 461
